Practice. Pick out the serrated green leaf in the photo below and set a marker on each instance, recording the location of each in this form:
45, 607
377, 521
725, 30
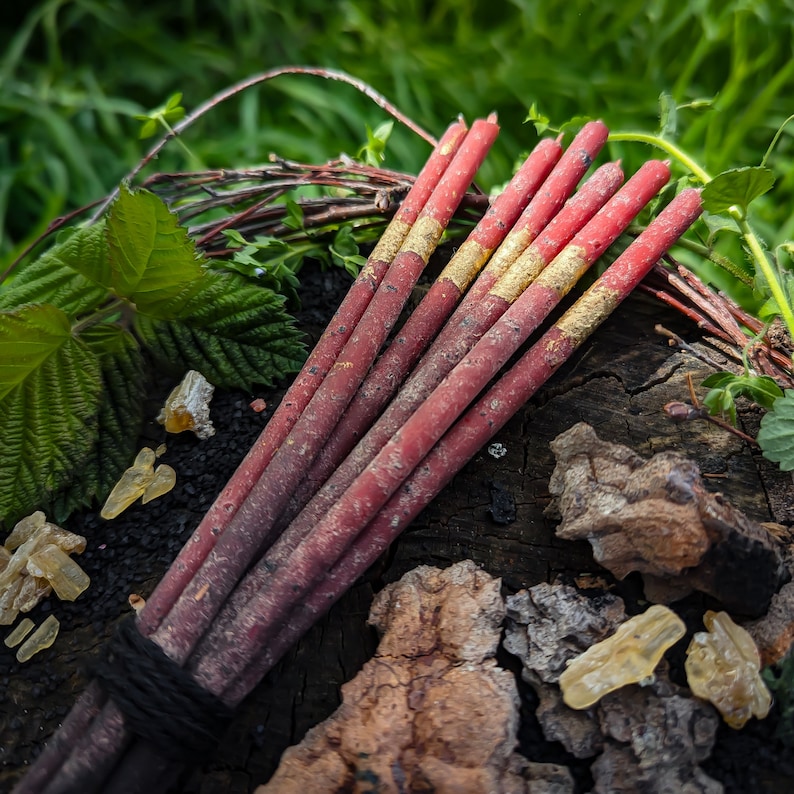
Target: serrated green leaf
152, 259
69, 275
48, 424
234, 333
776, 436
28, 337
119, 419
737, 187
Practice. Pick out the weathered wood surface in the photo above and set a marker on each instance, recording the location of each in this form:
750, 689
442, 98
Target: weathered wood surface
492, 513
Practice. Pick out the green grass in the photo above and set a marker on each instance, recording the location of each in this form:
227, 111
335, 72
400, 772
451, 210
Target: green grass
75, 73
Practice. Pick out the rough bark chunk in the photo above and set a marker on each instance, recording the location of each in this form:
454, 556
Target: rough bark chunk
656, 517
648, 739
431, 711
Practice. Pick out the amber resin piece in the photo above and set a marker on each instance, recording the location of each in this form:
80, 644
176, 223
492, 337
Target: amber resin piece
42, 638
629, 656
25, 529
188, 406
163, 481
140, 480
5, 558
33, 591
722, 666
40, 559
24, 627
67, 578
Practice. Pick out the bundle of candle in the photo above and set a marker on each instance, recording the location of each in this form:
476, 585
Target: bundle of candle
362, 442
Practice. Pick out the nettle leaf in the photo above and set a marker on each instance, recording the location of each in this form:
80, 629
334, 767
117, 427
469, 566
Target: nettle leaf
776, 436
234, 333
28, 337
119, 418
48, 418
153, 262
737, 187
69, 275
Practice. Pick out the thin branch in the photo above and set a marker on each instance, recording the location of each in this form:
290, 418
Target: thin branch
250, 82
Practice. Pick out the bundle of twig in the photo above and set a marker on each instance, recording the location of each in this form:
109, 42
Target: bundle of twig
329, 484
351, 191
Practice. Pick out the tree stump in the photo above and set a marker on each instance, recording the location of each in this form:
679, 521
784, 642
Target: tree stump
492, 513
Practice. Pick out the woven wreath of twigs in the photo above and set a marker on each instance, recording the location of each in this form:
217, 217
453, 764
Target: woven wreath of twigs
353, 192
369, 196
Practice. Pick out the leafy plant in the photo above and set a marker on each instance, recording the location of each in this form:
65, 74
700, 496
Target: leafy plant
727, 198
725, 387
73, 324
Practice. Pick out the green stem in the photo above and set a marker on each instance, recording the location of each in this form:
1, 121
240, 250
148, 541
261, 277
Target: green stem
664, 145
115, 305
192, 157
749, 235
759, 255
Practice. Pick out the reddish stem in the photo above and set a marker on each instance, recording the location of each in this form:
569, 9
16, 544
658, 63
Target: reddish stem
249, 531
320, 361
479, 424
467, 325
264, 615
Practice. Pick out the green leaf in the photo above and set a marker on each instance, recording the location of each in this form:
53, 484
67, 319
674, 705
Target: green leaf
294, 218
762, 389
69, 275
540, 122
720, 402
149, 127
119, 419
737, 187
726, 387
776, 436
48, 421
718, 380
28, 337
164, 116
234, 333
718, 224
152, 259
373, 152
344, 251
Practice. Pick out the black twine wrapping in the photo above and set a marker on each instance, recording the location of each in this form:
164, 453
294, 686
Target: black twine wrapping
160, 701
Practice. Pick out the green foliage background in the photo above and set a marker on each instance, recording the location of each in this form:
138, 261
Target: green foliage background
74, 73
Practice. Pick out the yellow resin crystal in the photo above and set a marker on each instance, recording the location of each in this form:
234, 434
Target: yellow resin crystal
629, 656
24, 627
723, 665
163, 481
187, 407
23, 583
140, 480
67, 578
42, 638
